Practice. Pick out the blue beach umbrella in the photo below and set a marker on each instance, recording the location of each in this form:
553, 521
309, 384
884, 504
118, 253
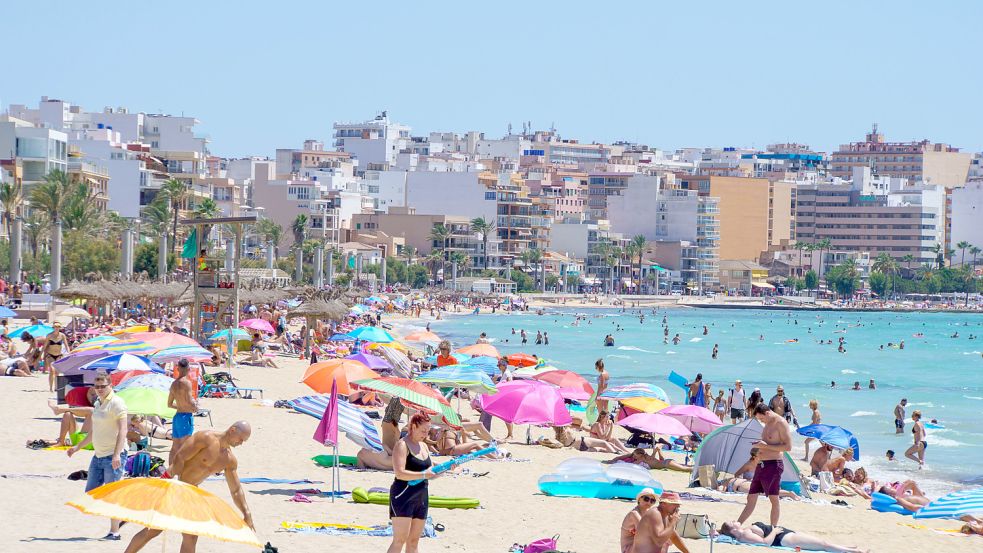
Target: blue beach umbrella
631, 391
341, 338
836, 436
487, 364
6, 311
460, 357
459, 376
237, 334
955, 505
33, 330
122, 362
372, 334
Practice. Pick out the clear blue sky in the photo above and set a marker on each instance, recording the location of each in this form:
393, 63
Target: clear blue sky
262, 75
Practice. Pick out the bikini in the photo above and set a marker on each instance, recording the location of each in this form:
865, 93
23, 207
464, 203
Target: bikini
767, 529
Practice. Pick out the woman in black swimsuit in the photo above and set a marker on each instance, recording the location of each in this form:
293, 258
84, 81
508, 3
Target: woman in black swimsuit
55, 348
760, 533
408, 504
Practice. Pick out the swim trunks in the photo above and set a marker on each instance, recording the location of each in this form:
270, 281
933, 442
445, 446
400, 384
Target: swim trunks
899, 424
767, 478
737, 414
182, 426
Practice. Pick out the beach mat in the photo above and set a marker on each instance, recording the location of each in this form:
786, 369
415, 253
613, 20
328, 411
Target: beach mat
361, 495
332, 529
343, 460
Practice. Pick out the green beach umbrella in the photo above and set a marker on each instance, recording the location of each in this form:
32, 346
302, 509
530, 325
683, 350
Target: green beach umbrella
460, 376
146, 401
413, 392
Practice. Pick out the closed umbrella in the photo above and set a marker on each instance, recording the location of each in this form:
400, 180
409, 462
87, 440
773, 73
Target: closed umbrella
261, 325
353, 422
695, 418
527, 402
459, 376
169, 505
954, 505
836, 436
372, 334
416, 393
571, 384
629, 391
319, 376
146, 401
373, 362
655, 423
480, 349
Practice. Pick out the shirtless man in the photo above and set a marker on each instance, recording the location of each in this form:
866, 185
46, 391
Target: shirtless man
819, 458
899, 416
776, 439
656, 529
183, 400
206, 453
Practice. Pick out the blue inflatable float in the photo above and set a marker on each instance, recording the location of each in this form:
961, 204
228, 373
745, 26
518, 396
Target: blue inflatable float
887, 504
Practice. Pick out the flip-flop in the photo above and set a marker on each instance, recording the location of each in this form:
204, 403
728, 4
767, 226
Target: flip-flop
298, 498
438, 527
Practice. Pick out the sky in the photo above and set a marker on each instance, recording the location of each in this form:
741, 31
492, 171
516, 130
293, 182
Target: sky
267, 75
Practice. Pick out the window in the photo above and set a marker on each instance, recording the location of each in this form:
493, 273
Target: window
490, 196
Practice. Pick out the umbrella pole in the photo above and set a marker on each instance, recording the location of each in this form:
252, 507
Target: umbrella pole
335, 475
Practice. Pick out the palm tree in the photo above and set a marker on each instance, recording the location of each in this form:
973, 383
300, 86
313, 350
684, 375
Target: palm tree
885, 264
533, 257
799, 245
823, 245
299, 229
963, 245
409, 252
12, 198
939, 255
434, 260
80, 210
462, 259
440, 235
271, 233
637, 248
178, 193
206, 209
908, 259
157, 216
975, 251
52, 195
36, 226
484, 228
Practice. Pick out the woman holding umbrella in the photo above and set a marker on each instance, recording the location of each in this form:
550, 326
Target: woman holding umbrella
408, 503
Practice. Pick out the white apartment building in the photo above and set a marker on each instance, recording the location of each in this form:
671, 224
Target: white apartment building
451, 194
967, 214
39, 150
129, 177
374, 143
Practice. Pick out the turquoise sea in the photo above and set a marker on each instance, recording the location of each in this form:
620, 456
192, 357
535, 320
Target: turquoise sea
941, 375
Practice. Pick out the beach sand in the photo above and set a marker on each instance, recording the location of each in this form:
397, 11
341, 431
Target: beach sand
37, 519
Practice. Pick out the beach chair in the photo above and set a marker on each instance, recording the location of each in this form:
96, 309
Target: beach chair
223, 385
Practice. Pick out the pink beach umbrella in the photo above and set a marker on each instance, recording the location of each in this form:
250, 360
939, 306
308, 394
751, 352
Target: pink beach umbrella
695, 418
258, 324
571, 384
656, 423
527, 402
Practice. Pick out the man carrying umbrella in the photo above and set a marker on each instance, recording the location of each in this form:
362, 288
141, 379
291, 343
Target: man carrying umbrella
205, 453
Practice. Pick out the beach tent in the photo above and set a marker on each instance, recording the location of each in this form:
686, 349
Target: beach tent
729, 447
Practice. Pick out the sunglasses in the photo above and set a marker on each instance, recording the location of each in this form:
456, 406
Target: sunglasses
100, 386
648, 499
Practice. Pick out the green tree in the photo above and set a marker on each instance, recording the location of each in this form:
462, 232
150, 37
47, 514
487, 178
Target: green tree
146, 259
439, 237
36, 227
410, 253
799, 245
157, 217
177, 193
975, 251
822, 246
963, 246
85, 254
417, 276
270, 233
843, 278
206, 209
12, 198
523, 282
637, 246
878, 282
908, 260
484, 228
80, 210
299, 230
811, 280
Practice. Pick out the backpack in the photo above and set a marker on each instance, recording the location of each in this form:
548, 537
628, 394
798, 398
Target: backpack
138, 466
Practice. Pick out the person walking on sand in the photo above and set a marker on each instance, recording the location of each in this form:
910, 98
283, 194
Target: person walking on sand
108, 439
55, 347
776, 439
182, 399
737, 402
656, 529
696, 393
205, 453
899, 412
408, 503
917, 451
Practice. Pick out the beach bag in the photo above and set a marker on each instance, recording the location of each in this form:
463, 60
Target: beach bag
541, 545
707, 476
825, 481
694, 527
139, 465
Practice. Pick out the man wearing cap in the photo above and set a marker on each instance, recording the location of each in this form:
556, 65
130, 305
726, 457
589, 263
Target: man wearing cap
776, 440
657, 527
737, 402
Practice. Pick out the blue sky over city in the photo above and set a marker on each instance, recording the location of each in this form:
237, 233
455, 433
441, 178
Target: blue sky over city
262, 75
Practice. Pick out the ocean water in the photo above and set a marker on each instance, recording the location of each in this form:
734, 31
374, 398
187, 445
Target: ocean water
941, 375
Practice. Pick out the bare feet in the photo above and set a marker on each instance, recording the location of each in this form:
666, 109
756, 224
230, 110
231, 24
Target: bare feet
53, 405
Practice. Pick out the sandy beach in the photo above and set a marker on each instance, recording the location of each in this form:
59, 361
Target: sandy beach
513, 510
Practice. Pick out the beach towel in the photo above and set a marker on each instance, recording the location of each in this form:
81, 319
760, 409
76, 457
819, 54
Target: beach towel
332, 529
699, 398
731, 541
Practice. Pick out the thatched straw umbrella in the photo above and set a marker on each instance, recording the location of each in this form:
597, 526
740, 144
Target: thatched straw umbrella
318, 309
76, 290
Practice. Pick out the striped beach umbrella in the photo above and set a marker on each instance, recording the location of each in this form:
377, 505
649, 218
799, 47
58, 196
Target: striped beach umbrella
320, 376
629, 391
172, 354
163, 340
354, 423
131, 330
459, 376
487, 364
151, 381
421, 336
134, 347
954, 505
169, 505
95, 342
416, 393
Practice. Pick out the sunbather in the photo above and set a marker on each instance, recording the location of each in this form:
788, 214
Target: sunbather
69, 424
907, 494
450, 443
139, 427
837, 465
584, 443
15, 366
654, 461
760, 533
603, 429
371, 459
973, 525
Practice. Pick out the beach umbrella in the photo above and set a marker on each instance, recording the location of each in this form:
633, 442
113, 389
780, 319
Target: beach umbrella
487, 364
261, 325
532, 370
459, 376
96, 360
131, 330
373, 362
237, 334
96, 342
358, 309
729, 447
394, 345
697, 419
460, 357
416, 393
146, 401
522, 360
836, 436
629, 391
172, 354
163, 340
168, 505
655, 423
134, 347
421, 336
319, 376
527, 402
8, 312
122, 376
341, 338
954, 505
351, 420
571, 384
33, 330
475, 350
153, 381
72, 312
372, 334
645, 404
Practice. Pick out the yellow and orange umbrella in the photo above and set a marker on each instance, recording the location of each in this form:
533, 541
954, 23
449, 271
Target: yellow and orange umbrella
645, 404
169, 505
131, 330
477, 350
319, 376
421, 336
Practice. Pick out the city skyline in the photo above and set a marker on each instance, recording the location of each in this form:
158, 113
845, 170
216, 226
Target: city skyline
450, 70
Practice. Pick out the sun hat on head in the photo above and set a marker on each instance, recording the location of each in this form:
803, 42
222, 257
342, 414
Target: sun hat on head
672, 498
646, 492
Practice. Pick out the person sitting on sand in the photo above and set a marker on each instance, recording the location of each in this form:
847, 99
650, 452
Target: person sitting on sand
645, 500
257, 355
376, 460
654, 461
907, 494
584, 443
69, 429
603, 429
450, 443
656, 529
760, 533
973, 525
837, 465
204, 454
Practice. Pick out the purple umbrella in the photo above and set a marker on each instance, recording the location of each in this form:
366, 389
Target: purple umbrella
527, 402
656, 423
373, 362
697, 419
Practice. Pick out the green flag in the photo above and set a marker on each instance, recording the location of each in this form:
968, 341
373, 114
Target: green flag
351, 261
190, 245
591, 412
